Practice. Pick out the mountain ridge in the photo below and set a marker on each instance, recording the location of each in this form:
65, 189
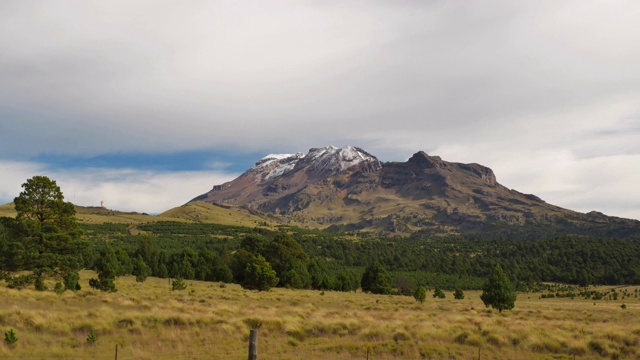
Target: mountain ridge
348, 189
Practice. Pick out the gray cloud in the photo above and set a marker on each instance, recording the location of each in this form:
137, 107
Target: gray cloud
539, 91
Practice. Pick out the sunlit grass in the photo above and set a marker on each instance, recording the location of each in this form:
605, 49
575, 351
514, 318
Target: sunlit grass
212, 320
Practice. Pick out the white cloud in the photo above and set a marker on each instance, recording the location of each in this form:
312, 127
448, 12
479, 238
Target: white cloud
119, 189
539, 91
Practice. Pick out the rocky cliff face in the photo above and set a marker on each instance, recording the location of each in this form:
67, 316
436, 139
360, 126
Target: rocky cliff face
349, 189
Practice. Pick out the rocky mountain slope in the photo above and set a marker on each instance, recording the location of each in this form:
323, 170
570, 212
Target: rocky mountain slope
349, 189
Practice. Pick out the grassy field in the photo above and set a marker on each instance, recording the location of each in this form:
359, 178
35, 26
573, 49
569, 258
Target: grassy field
197, 212
212, 321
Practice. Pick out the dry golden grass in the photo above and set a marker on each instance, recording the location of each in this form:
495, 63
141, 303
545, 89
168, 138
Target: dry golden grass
193, 212
7, 210
212, 321
208, 213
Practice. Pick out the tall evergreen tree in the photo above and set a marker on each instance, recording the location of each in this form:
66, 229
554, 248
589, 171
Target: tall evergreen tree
375, 280
45, 238
498, 292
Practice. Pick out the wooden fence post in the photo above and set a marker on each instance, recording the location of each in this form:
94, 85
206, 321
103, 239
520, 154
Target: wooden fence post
116, 351
253, 344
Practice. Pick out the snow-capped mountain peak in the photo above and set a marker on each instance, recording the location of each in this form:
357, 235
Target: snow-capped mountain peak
329, 158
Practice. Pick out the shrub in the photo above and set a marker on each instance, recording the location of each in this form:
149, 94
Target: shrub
91, 338
420, 294
71, 281
438, 293
58, 289
178, 284
10, 337
458, 294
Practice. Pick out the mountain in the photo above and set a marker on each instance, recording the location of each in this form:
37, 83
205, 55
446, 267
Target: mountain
348, 189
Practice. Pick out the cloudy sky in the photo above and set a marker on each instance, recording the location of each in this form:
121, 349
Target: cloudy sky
147, 104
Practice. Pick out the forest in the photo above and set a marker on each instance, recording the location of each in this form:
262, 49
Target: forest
48, 242
206, 251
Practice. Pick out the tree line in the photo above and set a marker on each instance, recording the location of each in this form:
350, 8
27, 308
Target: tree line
44, 240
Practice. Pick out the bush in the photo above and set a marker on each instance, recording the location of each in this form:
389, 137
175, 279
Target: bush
420, 294
71, 281
105, 284
438, 293
178, 284
10, 337
58, 289
92, 338
458, 294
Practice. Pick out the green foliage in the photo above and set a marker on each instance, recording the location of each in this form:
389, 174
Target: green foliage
10, 337
108, 268
458, 294
258, 274
140, 269
44, 237
498, 291
420, 294
39, 283
404, 284
91, 338
375, 280
58, 289
438, 293
178, 284
346, 281
322, 260
319, 274
289, 260
72, 281
19, 281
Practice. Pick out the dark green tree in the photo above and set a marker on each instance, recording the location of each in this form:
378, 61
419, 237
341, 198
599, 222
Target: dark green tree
46, 238
72, 281
498, 292
346, 281
438, 293
140, 269
319, 274
258, 274
375, 279
420, 293
289, 260
108, 268
458, 294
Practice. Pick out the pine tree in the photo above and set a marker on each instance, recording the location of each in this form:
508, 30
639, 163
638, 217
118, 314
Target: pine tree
375, 280
108, 268
498, 292
140, 269
44, 238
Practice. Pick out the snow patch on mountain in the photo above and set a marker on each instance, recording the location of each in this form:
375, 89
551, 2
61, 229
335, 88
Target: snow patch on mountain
338, 159
274, 165
329, 158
